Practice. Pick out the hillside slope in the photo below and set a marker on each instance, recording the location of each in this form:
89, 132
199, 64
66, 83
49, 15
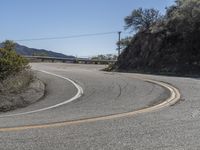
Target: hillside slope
170, 46
23, 50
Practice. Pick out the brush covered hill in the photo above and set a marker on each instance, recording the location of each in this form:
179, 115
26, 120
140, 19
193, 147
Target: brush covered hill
23, 50
171, 45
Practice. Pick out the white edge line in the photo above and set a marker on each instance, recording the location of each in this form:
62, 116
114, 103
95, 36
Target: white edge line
78, 94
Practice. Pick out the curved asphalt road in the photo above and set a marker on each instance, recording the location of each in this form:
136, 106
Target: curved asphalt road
175, 127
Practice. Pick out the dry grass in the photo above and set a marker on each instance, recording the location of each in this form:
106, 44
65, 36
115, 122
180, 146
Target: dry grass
16, 83
20, 90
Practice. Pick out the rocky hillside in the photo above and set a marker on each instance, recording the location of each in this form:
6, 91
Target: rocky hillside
169, 46
23, 50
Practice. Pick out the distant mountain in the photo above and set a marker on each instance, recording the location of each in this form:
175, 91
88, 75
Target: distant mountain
23, 50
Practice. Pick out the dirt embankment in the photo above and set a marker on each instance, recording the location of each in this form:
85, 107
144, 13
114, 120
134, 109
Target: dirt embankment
20, 91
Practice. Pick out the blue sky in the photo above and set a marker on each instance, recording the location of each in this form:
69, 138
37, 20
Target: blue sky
25, 19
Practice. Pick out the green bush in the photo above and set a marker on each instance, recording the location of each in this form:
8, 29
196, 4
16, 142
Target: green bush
10, 62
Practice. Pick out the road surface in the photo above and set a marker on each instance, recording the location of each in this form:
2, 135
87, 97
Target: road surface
41, 126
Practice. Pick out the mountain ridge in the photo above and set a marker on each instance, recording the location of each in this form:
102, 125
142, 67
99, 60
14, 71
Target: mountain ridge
24, 50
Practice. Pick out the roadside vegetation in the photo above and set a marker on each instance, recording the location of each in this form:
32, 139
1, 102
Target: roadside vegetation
14, 69
10, 62
162, 44
15, 77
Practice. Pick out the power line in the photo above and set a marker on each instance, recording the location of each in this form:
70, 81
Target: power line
67, 37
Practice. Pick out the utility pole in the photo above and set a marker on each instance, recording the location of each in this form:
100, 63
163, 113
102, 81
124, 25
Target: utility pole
119, 43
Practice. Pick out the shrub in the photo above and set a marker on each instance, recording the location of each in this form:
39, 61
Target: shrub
10, 62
